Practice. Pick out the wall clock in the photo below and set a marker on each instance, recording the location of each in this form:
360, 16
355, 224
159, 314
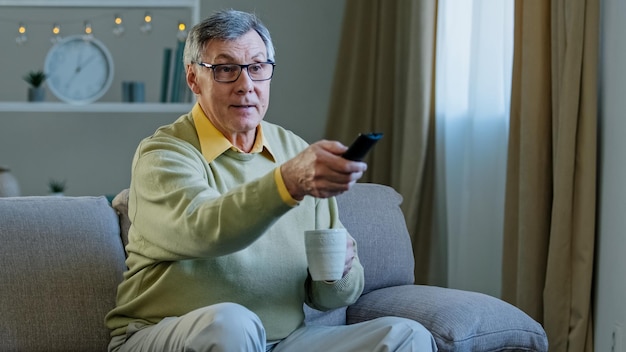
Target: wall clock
79, 69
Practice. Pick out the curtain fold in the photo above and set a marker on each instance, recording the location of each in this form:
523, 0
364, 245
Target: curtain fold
384, 82
549, 227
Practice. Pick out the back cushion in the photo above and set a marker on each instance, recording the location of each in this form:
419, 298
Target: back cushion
61, 259
371, 213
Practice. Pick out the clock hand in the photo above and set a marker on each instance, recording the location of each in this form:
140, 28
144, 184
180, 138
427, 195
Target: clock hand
84, 63
80, 56
80, 65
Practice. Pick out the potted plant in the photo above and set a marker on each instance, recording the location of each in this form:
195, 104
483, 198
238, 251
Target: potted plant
36, 90
56, 187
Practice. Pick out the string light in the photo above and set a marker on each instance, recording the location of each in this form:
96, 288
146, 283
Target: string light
56, 33
21, 34
118, 29
182, 32
146, 26
88, 30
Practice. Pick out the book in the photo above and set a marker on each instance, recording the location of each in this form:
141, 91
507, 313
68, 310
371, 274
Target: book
133, 92
165, 74
178, 73
138, 92
127, 91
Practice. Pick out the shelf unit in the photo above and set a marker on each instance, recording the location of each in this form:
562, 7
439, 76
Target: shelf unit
192, 5
96, 107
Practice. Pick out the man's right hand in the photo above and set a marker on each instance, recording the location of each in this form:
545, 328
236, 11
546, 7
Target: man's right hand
320, 171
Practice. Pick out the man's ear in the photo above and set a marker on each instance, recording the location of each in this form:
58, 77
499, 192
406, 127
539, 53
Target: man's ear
192, 79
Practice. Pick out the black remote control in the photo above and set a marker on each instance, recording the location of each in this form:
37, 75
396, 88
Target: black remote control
361, 145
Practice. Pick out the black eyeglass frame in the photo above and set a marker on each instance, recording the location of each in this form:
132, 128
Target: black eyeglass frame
213, 67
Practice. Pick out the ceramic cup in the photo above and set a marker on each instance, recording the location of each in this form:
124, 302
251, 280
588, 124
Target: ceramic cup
325, 253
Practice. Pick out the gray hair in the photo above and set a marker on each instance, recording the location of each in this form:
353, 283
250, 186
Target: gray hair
224, 25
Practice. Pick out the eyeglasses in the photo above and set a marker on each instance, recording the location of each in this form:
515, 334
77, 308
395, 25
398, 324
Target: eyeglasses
227, 73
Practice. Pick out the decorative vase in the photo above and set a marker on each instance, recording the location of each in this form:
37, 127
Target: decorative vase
9, 186
36, 94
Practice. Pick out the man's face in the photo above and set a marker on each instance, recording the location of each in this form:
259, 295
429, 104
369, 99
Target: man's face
237, 107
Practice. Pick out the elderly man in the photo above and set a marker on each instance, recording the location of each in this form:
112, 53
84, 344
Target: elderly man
219, 202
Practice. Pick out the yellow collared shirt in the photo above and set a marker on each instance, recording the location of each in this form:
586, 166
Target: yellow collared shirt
213, 143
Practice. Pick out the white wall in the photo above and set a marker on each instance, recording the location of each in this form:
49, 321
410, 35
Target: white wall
93, 151
610, 307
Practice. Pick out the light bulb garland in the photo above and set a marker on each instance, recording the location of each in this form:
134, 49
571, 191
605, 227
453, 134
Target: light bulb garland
118, 28
146, 26
182, 31
21, 34
56, 33
88, 30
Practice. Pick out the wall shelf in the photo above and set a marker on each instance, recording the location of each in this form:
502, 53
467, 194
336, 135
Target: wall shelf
47, 107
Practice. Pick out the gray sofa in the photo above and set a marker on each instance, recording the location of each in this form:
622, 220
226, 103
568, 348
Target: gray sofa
61, 259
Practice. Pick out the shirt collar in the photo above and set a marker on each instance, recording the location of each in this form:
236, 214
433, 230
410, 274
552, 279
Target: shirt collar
213, 143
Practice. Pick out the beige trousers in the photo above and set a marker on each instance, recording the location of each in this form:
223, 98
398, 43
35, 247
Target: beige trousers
230, 327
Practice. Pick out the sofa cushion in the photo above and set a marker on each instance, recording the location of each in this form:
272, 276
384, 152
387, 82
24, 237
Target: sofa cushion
61, 260
371, 213
460, 321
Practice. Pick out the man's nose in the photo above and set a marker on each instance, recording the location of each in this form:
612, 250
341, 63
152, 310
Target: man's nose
244, 82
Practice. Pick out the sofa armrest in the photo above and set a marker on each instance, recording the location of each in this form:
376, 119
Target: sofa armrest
459, 320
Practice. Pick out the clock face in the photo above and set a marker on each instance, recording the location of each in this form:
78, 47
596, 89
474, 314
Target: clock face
79, 69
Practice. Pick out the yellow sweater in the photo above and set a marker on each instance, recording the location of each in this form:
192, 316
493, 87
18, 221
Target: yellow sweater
205, 232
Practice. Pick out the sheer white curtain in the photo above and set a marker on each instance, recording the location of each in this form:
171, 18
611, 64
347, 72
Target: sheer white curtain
474, 62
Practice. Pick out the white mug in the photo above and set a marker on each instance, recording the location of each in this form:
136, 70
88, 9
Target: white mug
326, 253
